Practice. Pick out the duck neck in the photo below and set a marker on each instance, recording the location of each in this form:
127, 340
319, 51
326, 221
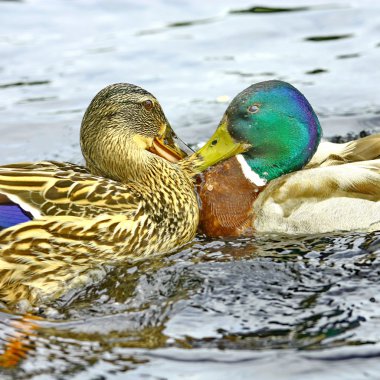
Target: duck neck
251, 175
134, 165
157, 173
115, 158
129, 165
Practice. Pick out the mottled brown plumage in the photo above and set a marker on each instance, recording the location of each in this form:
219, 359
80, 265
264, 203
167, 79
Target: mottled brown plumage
128, 204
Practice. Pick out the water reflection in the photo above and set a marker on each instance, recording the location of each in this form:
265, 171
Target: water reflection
348, 56
328, 38
17, 337
316, 71
31, 83
178, 24
250, 75
280, 306
269, 10
244, 294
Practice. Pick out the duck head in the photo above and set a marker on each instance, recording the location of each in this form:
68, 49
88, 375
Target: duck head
271, 126
123, 125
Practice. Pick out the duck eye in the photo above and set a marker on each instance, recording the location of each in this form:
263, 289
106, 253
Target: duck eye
253, 108
148, 105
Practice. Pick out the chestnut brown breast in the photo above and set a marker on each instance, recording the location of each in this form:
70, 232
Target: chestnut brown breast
227, 198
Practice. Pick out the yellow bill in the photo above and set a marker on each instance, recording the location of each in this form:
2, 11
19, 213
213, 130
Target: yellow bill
219, 147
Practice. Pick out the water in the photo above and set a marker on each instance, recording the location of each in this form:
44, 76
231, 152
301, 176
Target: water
268, 307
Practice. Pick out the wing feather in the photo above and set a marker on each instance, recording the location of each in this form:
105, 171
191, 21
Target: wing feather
341, 197
53, 188
328, 154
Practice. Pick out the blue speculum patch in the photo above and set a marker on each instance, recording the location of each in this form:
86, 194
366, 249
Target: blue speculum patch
12, 214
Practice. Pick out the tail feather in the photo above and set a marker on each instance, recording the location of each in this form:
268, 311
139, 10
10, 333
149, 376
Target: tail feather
367, 148
329, 154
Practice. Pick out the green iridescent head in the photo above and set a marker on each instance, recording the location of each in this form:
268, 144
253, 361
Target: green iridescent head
272, 125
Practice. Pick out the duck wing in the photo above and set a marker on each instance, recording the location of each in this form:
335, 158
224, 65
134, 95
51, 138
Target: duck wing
80, 222
322, 199
55, 188
364, 149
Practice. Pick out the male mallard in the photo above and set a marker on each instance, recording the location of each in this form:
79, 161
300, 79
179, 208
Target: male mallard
128, 203
268, 188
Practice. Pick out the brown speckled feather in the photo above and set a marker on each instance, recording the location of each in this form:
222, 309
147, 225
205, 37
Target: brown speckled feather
86, 222
128, 204
53, 188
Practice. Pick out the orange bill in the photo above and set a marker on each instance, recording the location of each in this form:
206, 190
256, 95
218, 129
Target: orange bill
170, 147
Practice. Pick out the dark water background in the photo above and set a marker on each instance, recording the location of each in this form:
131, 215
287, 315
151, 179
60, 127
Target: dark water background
269, 307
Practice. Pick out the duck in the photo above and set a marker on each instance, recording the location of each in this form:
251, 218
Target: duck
286, 180
63, 223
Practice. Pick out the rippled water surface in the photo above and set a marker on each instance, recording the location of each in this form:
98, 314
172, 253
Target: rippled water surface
269, 307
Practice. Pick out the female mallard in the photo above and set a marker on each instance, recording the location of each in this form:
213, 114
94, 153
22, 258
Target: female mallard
268, 188
127, 203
